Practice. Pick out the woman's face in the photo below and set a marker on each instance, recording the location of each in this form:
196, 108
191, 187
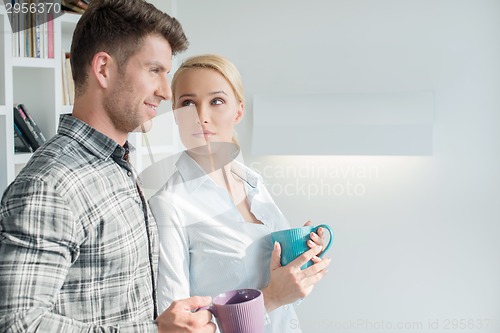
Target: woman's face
205, 108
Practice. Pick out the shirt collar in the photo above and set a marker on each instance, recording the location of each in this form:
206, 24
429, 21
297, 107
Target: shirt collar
97, 143
193, 176
246, 174
191, 173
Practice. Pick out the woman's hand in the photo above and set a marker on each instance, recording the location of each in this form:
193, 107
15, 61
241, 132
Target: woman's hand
289, 283
317, 239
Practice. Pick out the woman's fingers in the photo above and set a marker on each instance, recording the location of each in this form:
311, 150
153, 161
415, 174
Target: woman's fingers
275, 257
318, 267
305, 257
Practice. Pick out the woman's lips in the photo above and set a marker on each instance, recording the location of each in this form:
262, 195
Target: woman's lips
204, 133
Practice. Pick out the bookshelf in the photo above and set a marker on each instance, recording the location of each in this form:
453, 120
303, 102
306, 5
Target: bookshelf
35, 82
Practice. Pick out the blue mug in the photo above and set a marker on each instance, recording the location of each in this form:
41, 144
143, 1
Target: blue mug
294, 242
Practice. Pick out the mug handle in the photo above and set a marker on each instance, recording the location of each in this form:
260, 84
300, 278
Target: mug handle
210, 308
327, 227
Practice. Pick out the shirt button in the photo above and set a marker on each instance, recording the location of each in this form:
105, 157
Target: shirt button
129, 173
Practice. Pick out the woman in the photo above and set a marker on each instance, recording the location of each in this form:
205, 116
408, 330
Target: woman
214, 215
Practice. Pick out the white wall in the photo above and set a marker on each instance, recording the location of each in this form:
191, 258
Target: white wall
416, 237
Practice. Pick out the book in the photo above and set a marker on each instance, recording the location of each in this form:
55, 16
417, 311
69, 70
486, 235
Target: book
27, 35
21, 145
32, 34
71, 7
40, 137
15, 35
69, 78
28, 127
37, 43
50, 35
65, 84
79, 3
43, 31
21, 34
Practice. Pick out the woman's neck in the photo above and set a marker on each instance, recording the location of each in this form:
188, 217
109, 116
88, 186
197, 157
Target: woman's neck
210, 162
217, 166
214, 155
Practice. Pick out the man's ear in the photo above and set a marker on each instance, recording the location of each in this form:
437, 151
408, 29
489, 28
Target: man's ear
101, 65
239, 113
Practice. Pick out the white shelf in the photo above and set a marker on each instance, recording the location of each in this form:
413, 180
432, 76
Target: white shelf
35, 82
66, 109
22, 158
33, 62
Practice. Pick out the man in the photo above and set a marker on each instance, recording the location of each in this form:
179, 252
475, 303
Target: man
78, 244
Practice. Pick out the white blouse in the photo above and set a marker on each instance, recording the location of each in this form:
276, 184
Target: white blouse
206, 247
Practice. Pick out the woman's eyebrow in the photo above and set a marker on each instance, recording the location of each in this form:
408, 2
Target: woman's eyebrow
187, 95
218, 92
212, 93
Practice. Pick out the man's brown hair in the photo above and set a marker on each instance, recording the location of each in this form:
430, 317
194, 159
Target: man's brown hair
119, 27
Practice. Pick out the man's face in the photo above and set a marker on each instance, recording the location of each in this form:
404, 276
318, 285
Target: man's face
136, 93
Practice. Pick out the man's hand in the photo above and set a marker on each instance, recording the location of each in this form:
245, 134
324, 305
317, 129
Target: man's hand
182, 317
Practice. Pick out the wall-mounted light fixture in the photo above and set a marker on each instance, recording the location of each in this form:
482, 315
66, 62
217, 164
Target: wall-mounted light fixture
343, 124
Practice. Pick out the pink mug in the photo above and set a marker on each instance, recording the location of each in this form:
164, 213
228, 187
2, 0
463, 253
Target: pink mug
239, 311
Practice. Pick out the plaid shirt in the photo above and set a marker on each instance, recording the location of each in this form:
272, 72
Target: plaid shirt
78, 244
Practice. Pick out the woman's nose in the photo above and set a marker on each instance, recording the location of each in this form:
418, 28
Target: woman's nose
203, 115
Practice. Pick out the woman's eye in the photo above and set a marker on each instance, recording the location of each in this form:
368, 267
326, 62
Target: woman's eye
217, 101
187, 103
155, 70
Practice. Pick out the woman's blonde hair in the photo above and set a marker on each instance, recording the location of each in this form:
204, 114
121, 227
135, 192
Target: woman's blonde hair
219, 64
